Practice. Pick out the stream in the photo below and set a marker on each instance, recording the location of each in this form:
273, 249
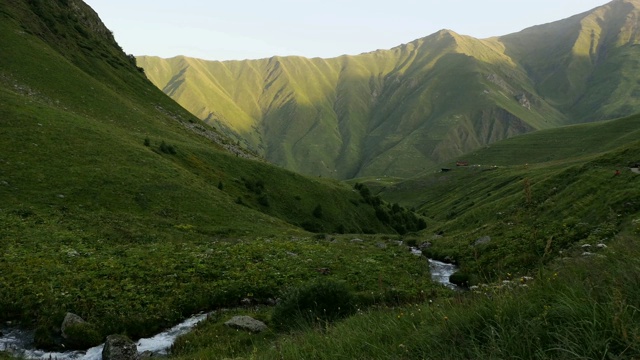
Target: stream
18, 341
440, 271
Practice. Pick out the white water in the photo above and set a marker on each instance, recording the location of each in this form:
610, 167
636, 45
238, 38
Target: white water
440, 271
17, 340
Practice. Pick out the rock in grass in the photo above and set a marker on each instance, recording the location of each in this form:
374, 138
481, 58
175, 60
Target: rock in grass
246, 323
119, 347
70, 320
483, 240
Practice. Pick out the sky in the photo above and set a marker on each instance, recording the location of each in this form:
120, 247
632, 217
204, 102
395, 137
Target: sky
254, 29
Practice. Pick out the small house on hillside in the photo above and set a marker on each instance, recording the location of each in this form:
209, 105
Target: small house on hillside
462, 163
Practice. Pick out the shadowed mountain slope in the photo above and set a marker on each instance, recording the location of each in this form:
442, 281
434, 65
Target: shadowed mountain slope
396, 112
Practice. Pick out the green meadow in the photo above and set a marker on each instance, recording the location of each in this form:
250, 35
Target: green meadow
119, 205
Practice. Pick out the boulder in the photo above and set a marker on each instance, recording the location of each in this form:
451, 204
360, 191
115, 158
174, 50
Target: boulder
246, 323
119, 347
483, 240
70, 319
381, 245
425, 245
357, 240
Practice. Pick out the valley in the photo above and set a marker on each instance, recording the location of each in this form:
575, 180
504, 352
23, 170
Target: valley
135, 212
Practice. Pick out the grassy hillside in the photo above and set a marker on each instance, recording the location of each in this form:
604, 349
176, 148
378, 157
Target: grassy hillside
386, 112
120, 206
549, 250
400, 111
549, 191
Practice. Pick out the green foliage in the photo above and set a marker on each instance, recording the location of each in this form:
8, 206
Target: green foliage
220, 185
255, 186
459, 278
263, 200
317, 212
45, 338
155, 239
319, 302
397, 217
82, 336
167, 149
576, 309
147, 142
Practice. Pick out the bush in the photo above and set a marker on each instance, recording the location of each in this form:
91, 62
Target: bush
44, 338
167, 149
263, 200
460, 279
82, 336
312, 226
318, 302
317, 212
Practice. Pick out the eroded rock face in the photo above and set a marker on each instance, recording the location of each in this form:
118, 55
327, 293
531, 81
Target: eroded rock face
70, 319
246, 323
119, 347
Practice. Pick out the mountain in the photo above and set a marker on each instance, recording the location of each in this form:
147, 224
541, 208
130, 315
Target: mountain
119, 205
536, 195
397, 112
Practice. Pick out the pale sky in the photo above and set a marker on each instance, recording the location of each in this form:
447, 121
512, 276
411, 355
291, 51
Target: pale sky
253, 29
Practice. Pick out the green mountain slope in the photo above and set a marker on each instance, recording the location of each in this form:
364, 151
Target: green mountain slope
119, 205
550, 190
396, 112
547, 243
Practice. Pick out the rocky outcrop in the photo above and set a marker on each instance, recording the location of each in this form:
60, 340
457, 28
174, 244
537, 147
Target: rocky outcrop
246, 323
70, 320
524, 101
119, 347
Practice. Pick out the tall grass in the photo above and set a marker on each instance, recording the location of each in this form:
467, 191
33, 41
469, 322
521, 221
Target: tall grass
580, 308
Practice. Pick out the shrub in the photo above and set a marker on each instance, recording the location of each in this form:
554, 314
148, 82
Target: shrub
82, 336
263, 200
220, 185
317, 212
167, 149
147, 142
312, 226
459, 278
43, 338
318, 302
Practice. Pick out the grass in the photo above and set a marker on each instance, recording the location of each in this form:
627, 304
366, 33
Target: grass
532, 213
111, 204
577, 308
99, 220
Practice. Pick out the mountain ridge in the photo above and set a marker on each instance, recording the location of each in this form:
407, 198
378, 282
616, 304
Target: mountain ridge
397, 112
